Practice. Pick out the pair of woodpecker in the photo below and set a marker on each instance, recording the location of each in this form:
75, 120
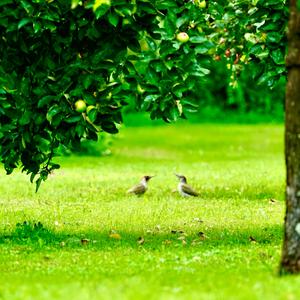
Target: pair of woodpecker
183, 188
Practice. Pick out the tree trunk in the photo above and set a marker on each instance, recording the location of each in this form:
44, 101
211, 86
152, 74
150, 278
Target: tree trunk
290, 262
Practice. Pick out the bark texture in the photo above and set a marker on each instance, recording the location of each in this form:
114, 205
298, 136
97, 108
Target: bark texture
290, 262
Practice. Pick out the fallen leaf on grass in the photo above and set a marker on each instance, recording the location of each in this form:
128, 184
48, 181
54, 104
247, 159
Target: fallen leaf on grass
167, 242
84, 241
195, 242
141, 240
198, 220
177, 231
201, 235
115, 236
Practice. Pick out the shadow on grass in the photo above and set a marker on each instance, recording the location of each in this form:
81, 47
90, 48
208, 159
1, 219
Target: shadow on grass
37, 236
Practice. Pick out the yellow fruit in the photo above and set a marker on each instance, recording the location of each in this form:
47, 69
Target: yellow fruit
80, 106
182, 37
115, 236
243, 58
202, 4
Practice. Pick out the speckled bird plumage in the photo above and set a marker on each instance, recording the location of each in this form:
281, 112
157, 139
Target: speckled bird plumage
184, 189
140, 188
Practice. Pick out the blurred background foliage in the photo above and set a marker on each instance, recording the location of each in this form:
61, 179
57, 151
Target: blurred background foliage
220, 102
217, 102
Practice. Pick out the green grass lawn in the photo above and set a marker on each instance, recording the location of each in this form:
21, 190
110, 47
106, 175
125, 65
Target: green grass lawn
224, 244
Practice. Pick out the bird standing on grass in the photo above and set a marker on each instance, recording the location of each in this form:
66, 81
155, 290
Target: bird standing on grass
184, 189
140, 188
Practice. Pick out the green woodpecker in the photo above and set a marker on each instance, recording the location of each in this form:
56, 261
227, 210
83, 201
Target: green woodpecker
184, 189
140, 188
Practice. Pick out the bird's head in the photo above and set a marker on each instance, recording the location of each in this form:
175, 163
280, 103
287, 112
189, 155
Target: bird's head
147, 177
181, 178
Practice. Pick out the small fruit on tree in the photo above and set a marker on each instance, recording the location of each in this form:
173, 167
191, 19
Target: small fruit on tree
218, 58
243, 58
80, 106
202, 4
182, 37
227, 53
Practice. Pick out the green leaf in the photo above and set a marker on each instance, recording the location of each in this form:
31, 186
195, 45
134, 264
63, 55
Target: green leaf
198, 39
265, 78
201, 49
99, 3
54, 110
92, 114
32, 177
23, 22
54, 166
37, 27
38, 184
80, 130
74, 4
274, 37
100, 7
263, 54
73, 119
151, 98
113, 19
45, 101
87, 81
109, 127
26, 118
174, 113
182, 20
5, 2
277, 57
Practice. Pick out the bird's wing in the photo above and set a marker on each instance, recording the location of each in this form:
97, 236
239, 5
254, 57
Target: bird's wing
188, 190
137, 189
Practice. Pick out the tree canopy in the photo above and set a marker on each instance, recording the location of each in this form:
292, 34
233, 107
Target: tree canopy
110, 52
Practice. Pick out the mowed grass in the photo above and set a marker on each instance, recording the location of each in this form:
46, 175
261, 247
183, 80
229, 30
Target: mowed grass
224, 244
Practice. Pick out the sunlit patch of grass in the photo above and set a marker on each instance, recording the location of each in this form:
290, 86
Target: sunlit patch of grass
94, 241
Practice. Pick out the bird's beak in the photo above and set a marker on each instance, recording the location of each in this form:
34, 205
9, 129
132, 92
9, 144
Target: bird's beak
177, 175
152, 176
